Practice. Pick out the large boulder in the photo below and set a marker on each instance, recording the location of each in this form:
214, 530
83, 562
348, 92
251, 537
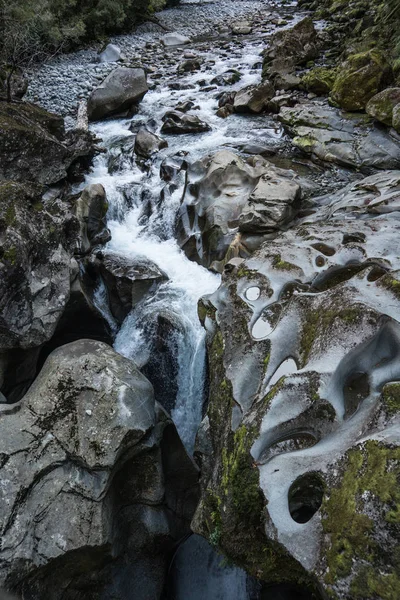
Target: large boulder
300, 446
127, 281
225, 194
148, 143
91, 211
381, 105
174, 39
253, 98
359, 78
94, 470
326, 134
37, 238
291, 47
111, 53
177, 122
121, 90
34, 145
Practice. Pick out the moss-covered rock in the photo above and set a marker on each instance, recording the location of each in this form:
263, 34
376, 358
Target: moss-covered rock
382, 104
359, 78
396, 118
319, 80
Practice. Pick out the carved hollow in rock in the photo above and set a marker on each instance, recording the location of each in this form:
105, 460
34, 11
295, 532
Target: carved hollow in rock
355, 390
305, 497
253, 293
297, 440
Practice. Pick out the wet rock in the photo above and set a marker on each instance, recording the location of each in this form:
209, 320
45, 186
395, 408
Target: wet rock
176, 122
111, 53
381, 105
189, 66
253, 98
147, 143
291, 47
120, 91
327, 134
359, 78
241, 28
224, 193
274, 202
37, 239
297, 443
34, 145
91, 212
230, 77
174, 39
127, 281
225, 111
89, 440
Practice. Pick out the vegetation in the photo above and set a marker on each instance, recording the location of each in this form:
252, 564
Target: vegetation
32, 30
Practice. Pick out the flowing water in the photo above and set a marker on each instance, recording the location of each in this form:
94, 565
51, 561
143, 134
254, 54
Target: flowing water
131, 190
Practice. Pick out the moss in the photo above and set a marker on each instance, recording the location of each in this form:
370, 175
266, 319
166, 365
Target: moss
317, 322
10, 255
282, 265
319, 80
390, 284
10, 215
305, 142
370, 471
391, 398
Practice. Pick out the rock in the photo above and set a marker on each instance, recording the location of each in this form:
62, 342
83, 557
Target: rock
291, 47
224, 192
111, 53
319, 80
37, 239
381, 105
122, 89
253, 98
176, 122
396, 118
274, 202
325, 133
225, 111
88, 440
359, 78
19, 84
174, 39
287, 81
127, 281
230, 77
121, 154
34, 145
241, 28
147, 143
297, 446
91, 211
189, 66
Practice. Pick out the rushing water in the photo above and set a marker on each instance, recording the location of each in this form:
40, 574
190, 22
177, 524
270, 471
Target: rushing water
130, 189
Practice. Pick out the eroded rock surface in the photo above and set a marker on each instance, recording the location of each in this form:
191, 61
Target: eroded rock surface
119, 92
95, 474
300, 445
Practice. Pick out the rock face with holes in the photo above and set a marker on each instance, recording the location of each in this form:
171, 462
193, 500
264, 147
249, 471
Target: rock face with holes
226, 194
300, 446
98, 487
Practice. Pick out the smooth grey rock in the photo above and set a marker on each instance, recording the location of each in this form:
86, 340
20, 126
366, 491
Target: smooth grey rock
147, 143
253, 98
112, 53
120, 91
94, 469
176, 123
174, 39
91, 211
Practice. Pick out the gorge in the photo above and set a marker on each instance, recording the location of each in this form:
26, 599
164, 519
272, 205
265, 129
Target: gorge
199, 310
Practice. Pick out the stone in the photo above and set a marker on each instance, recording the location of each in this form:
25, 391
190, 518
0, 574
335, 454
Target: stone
396, 118
127, 281
319, 80
382, 104
273, 203
291, 47
35, 147
300, 444
111, 53
174, 39
91, 211
190, 65
327, 134
224, 192
359, 78
253, 98
148, 143
241, 28
89, 440
176, 122
121, 90
37, 240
